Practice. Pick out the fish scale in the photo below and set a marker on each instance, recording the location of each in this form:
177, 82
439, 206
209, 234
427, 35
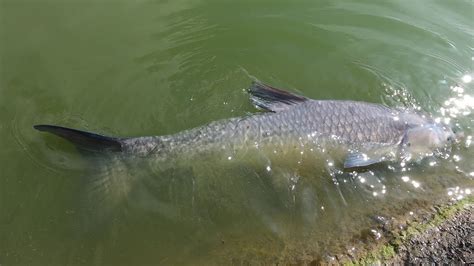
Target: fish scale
362, 128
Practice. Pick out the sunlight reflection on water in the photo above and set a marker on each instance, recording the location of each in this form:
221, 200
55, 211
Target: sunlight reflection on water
156, 68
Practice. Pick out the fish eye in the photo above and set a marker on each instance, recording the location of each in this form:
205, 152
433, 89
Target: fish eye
449, 138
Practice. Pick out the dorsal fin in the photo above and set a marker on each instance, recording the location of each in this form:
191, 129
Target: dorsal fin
272, 99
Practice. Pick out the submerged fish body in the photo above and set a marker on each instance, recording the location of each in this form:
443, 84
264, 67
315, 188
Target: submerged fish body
295, 135
363, 133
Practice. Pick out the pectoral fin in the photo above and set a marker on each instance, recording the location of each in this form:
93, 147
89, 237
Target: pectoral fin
354, 160
362, 159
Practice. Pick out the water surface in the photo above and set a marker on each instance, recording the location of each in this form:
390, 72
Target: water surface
133, 68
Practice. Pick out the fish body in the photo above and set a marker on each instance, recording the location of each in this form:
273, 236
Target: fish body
364, 133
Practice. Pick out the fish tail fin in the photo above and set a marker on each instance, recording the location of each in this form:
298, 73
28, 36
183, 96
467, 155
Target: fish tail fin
84, 140
104, 194
106, 181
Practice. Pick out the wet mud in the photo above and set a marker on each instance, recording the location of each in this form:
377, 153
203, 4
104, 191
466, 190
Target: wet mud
451, 242
443, 234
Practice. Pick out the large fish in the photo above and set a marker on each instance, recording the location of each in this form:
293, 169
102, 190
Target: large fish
362, 133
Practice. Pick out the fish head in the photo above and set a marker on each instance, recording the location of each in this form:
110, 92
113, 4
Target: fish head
425, 139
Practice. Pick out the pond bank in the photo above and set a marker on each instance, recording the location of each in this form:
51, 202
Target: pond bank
441, 235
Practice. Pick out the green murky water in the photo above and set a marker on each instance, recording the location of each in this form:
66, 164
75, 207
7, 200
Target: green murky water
134, 68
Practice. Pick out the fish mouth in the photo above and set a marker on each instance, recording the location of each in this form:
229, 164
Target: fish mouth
459, 135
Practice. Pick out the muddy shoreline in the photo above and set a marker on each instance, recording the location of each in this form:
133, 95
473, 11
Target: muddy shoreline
443, 234
448, 243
